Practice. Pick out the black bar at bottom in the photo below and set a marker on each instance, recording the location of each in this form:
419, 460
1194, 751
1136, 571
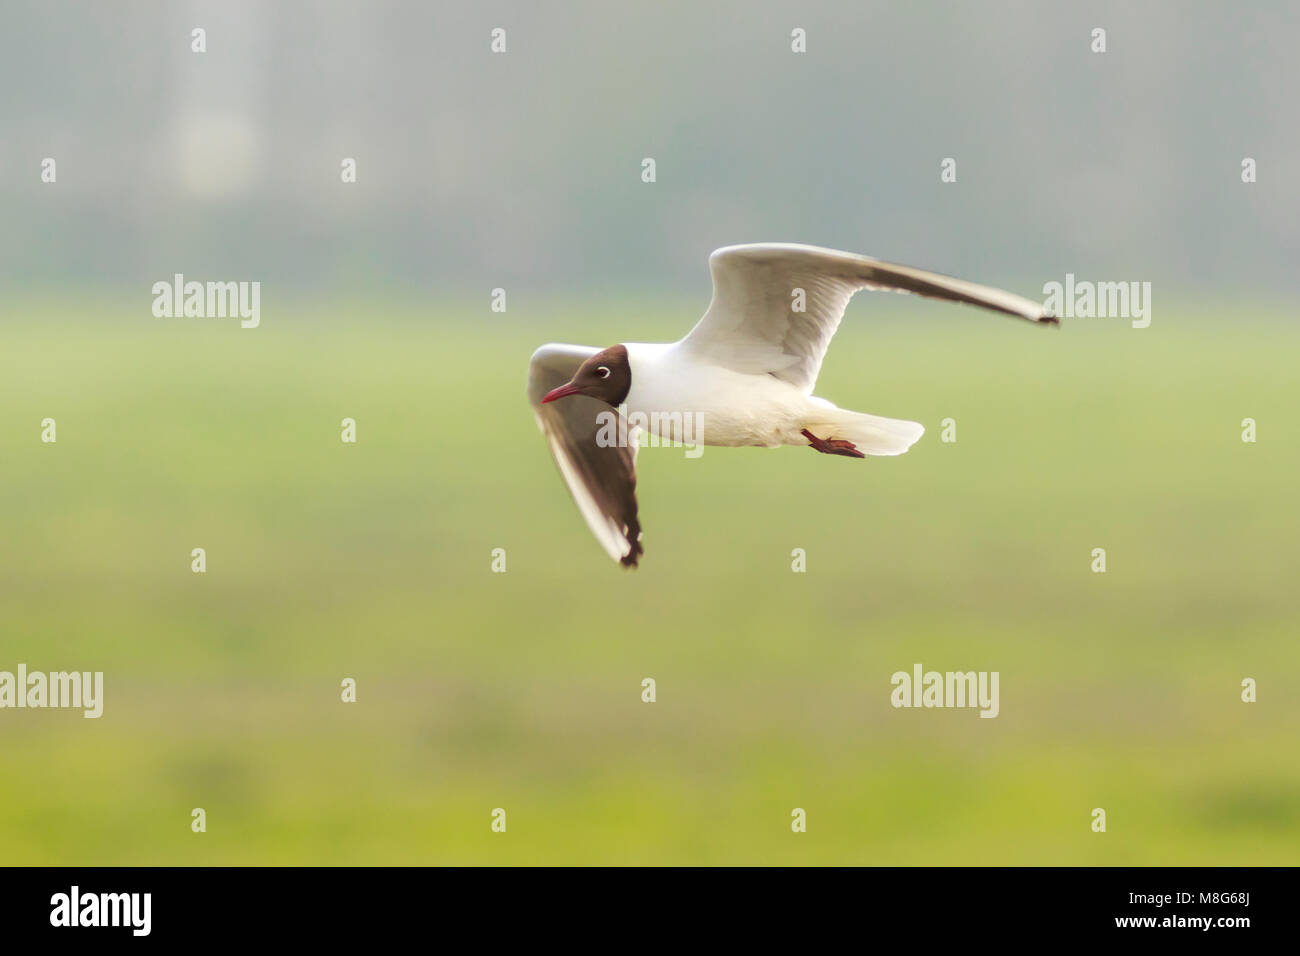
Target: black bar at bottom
305, 904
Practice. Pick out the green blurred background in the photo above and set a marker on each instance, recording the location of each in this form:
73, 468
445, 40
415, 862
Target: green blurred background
522, 690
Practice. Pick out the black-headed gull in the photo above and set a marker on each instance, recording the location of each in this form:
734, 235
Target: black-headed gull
743, 376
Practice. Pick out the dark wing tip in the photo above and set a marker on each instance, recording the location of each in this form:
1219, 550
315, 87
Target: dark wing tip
630, 559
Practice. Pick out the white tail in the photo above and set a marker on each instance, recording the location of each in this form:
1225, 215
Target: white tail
872, 434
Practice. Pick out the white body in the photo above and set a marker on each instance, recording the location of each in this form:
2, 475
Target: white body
674, 387
733, 408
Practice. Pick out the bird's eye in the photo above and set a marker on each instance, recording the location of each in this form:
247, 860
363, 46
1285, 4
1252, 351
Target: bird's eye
602, 371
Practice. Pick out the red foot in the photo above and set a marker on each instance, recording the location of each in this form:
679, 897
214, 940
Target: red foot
832, 446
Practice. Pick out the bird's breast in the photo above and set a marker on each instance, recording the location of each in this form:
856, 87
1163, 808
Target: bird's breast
678, 400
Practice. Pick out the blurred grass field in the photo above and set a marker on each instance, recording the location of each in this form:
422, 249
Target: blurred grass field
522, 690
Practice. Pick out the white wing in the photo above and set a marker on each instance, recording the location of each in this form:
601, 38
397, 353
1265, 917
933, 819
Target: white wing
602, 480
751, 325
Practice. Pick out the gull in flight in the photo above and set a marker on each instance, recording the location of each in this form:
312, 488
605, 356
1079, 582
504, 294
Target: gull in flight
744, 375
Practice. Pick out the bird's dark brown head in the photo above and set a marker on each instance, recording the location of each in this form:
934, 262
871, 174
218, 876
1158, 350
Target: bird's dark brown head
605, 376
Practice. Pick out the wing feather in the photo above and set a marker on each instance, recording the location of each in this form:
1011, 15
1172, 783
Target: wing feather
752, 326
601, 479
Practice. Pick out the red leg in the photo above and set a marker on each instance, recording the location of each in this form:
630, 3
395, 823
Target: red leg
832, 446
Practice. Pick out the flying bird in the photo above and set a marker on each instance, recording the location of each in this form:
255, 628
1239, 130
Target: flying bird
744, 375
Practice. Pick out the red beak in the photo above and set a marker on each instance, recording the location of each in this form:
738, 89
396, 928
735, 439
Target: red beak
562, 392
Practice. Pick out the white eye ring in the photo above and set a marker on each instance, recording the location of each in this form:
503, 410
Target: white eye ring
602, 371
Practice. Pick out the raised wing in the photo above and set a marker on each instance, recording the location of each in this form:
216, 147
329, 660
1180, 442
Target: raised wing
601, 478
752, 325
